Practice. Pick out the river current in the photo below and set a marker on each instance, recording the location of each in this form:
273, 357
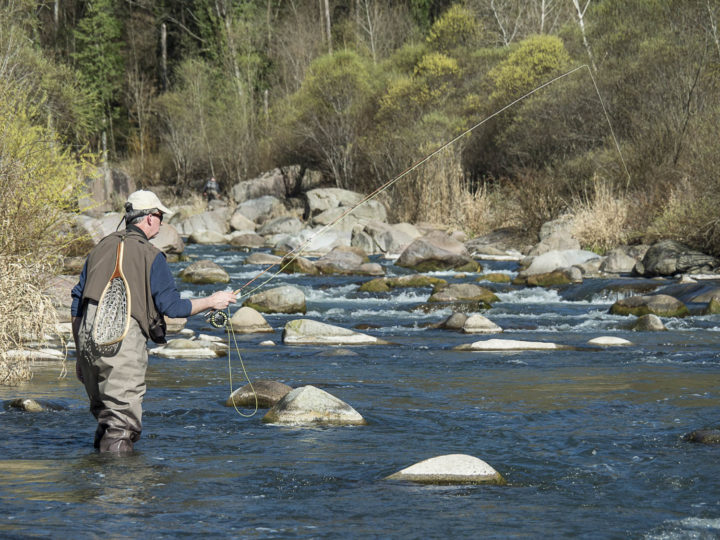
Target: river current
590, 440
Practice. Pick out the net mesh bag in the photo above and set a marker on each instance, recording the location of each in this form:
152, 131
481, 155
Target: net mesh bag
112, 319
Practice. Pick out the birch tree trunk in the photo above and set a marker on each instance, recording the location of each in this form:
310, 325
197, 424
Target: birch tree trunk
581, 22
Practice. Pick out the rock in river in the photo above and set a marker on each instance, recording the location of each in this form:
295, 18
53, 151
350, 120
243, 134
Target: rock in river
204, 271
661, 305
246, 320
284, 299
268, 393
450, 469
309, 332
309, 405
508, 345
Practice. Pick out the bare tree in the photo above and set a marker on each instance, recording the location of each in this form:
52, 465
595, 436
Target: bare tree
580, 13
328, 31
507, 15
381, 26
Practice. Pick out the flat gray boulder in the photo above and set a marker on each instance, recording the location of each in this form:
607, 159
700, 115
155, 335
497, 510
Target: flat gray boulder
283, 299
247, 320
450, 469
309, 405
267, 393
309, 332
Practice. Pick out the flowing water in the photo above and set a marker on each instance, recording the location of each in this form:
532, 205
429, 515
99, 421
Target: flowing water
589, 439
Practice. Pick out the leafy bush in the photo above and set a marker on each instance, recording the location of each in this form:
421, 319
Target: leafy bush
40, 183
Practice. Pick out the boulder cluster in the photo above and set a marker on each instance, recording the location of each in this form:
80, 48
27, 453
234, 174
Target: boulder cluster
335, 231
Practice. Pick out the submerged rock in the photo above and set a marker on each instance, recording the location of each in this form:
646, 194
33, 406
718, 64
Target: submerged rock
661, 305
508, 345
26, 404
309, 405
268, 393
309, 332
704, 436
450, 469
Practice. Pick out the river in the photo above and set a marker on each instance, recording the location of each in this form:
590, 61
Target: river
589, 439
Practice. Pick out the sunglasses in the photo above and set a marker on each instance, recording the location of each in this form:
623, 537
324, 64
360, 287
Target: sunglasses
159, 215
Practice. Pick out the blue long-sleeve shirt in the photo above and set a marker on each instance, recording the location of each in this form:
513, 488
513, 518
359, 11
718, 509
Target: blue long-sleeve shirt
162, 286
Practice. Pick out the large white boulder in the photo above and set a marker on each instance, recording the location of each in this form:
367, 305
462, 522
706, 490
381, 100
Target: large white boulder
246, 320
508, 345
309, 405
309, 332
450, 469
283, 299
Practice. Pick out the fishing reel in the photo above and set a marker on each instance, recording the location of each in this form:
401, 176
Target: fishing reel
217, 319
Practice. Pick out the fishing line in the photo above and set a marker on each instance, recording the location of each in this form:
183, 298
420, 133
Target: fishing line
295, 253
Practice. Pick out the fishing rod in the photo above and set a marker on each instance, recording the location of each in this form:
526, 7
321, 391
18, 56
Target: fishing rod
219, 319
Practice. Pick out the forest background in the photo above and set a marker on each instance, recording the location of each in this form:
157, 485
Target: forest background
172, 91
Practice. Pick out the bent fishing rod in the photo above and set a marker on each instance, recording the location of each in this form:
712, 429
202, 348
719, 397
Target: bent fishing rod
219, 319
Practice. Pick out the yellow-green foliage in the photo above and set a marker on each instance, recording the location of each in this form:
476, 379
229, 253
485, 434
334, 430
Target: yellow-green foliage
456, 28
433, 78
39, 183
531, 63
437, 72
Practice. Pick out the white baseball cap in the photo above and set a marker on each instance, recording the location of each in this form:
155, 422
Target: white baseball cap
147, 200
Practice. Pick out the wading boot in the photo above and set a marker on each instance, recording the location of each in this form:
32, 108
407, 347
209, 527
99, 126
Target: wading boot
116, 441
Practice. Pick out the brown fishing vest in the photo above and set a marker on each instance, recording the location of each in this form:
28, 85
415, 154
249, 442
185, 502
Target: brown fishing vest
138, 258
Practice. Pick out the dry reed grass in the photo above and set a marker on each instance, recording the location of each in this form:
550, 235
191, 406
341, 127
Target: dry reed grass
27, 314
601, 218
439, 193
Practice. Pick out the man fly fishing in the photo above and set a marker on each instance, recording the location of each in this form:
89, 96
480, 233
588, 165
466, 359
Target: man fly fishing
125, 289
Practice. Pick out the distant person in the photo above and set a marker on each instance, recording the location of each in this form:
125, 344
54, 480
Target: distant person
212, 189
114, 375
